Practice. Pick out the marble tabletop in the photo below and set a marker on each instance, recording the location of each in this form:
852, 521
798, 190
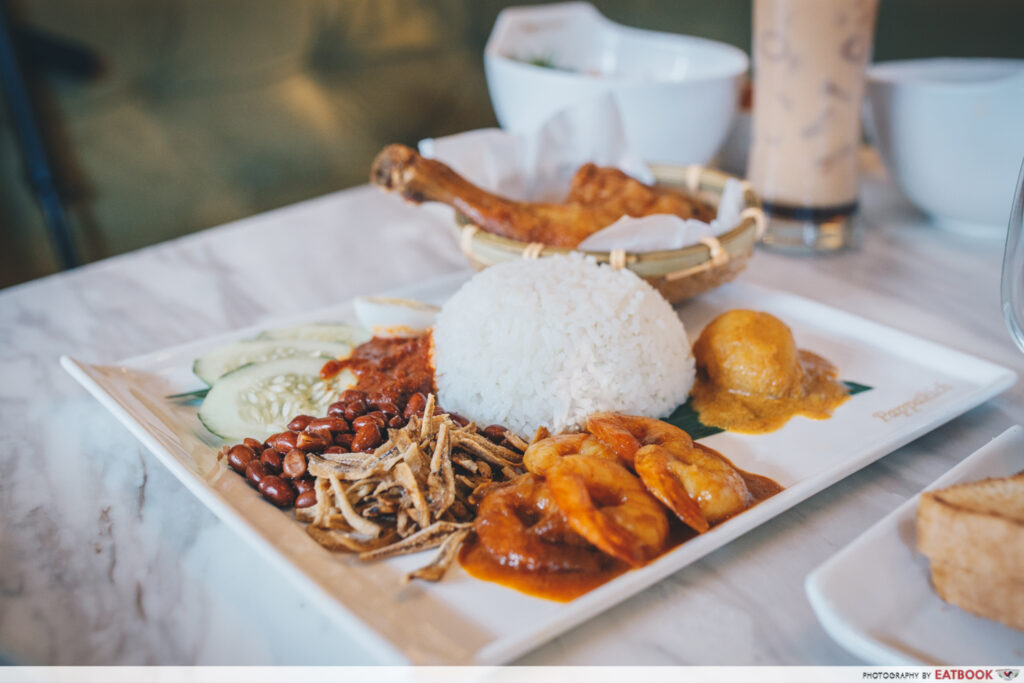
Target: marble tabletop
106, 559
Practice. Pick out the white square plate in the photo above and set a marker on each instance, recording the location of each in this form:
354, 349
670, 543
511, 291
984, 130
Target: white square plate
875, 596
918, 386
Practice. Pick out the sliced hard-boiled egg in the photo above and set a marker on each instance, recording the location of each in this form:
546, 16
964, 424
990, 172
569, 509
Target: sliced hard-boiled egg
390, 317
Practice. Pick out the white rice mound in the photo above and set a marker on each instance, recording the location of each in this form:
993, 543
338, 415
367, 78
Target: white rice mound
547, 342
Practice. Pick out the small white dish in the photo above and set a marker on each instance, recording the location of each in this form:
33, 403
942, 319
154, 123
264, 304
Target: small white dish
950, 133
875, 598
677, 94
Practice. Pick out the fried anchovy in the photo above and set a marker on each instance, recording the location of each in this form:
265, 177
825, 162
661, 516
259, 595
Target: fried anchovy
377, 464
441, 482
417, 460
333, 539
357, 521
484, 449
420, 513
401, 439
465, 463
435, 571
332, 520
377, 506
516, 441
485, 470
428, 413
362, 489
323, 506
347, 459
404, 524
431, 537
461, 512
466, 481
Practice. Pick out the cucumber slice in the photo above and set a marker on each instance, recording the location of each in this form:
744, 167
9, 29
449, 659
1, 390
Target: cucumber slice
223, 360
260, 399
331, 332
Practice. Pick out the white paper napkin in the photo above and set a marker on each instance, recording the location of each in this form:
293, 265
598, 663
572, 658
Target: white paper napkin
654, 233
539, 166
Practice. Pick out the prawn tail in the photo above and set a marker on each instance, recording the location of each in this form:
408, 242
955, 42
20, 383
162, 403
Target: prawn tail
612, 540
611, 430
573, 499
670, 491
617, 542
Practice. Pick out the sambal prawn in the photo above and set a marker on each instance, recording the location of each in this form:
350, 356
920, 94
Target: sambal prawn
521, 526
698, 485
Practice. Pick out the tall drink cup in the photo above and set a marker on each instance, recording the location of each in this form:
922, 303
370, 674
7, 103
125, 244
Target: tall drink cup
809, 62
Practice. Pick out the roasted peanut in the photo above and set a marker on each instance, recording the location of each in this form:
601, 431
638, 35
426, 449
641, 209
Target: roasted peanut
417, 402
315, 443
375, 417
283, 442
319, 430
354, 409
303, 484
277, 490
367, 438
328, 424
306, 499
294, 464
239, 456
494, 433
300, 422
389, 409
397, 422
386, 400
255, 471
272, 459
255, 445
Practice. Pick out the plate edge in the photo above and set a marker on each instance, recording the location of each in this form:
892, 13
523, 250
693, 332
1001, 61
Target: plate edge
381, 647
822, 606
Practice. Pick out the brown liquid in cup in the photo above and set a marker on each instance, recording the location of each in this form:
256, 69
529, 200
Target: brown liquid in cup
809, 60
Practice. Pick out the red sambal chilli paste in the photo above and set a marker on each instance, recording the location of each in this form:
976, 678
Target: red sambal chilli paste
399, 367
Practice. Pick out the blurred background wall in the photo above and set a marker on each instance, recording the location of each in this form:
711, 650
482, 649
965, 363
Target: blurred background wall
166, 117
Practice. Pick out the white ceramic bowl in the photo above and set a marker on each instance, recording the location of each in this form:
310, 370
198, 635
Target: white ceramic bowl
951, 132
677, 94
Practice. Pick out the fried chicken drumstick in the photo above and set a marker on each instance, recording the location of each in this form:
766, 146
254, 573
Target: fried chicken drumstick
597, 198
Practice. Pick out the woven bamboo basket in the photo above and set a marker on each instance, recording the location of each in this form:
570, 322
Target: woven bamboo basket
677, 273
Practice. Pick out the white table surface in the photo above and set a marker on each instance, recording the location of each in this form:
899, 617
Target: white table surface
106, 559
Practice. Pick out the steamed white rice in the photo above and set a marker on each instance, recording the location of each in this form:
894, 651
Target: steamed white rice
547, 342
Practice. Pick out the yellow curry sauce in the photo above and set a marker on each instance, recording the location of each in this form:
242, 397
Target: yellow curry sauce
752, 379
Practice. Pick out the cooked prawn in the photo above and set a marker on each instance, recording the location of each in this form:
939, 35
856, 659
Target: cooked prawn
699, 486
521, 526
543, 454
627, 434
605, 504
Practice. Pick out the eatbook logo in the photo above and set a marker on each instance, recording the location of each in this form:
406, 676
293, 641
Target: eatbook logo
1008, 674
